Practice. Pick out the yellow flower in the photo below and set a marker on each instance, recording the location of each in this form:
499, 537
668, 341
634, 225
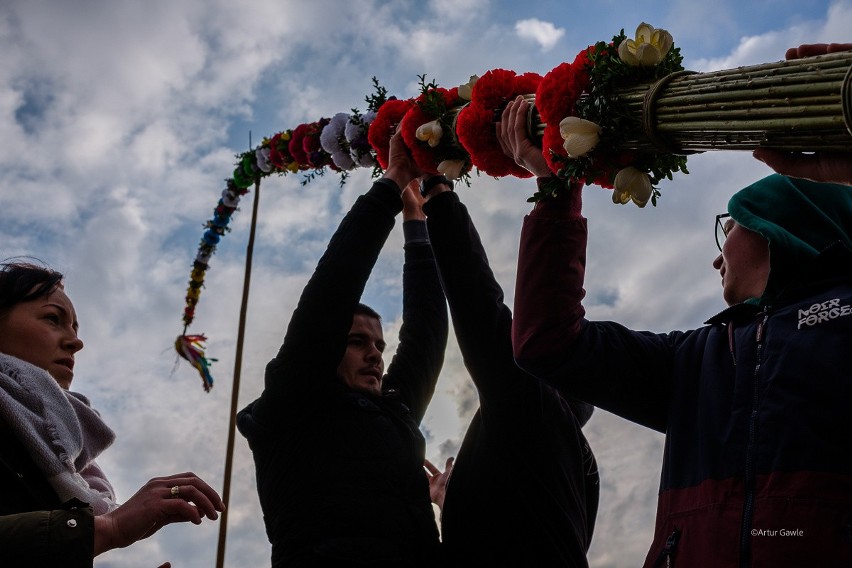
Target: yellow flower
581, 136
466, 90
649, 47
632, 184
452, 168
430, 132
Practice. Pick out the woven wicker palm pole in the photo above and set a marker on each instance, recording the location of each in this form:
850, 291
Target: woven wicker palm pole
797, 105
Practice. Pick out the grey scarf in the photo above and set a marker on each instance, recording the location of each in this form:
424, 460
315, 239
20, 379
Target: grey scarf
61, 431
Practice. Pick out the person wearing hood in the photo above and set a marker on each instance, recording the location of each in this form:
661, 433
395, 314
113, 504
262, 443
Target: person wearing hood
757, 466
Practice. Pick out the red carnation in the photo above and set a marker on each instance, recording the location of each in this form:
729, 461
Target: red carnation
494, 88
475, 126
279, 152
427, 157
315, 155
296, 147
384, 125
551, 144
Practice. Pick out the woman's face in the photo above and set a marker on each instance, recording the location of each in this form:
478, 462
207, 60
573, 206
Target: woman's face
43, 332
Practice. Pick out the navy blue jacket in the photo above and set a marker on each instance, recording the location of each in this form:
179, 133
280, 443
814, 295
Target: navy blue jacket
755, 406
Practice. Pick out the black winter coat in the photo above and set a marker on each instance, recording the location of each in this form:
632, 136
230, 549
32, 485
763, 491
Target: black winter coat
339, 473
524, 489
36, 529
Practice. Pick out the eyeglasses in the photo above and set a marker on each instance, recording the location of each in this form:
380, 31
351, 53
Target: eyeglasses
721, 231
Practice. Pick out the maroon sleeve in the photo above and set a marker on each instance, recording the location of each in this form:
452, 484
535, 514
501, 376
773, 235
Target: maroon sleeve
548, 312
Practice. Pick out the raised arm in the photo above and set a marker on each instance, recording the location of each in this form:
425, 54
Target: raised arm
481, 320
316, 336
602, 363
552, 255
419, 357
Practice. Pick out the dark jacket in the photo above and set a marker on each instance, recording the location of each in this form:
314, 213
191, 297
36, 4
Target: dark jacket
757, 469
340, 474
35, 528
524, 488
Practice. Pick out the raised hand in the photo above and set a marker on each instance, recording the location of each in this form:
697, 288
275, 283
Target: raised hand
513, 137
401, 166
438, 480
832, 167
412, 202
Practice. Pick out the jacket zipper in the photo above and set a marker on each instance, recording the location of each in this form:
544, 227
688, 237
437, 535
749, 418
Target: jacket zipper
668, 552
748, 498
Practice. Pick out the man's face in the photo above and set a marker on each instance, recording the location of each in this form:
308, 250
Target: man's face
743, 264
362, 367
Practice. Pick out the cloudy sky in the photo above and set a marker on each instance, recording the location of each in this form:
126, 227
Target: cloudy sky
120, 120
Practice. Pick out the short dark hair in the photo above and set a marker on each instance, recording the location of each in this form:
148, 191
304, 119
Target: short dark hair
365, 310
25, 281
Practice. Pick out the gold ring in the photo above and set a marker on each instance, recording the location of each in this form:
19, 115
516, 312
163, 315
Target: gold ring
175, 491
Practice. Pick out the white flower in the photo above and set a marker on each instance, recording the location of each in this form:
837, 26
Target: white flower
581, 136
430, 132
230, 198
649, 47
343, 160
261, 155
355, 130
466, 90
332, 133
453, 169
333, 141
356, 135
632, 184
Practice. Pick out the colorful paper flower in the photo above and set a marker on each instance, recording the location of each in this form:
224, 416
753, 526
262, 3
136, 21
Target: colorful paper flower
279, 152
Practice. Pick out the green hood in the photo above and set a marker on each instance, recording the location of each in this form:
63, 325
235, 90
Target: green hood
808, 226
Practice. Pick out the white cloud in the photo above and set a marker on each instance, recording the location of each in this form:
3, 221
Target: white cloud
122, 158
543, 33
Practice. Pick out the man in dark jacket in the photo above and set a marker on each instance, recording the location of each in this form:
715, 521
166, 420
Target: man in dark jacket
336, 443
757, 469
524, 488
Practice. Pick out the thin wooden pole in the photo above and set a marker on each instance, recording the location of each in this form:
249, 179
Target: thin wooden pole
235, 390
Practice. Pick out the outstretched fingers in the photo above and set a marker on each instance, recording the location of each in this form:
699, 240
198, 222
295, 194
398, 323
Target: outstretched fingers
189, 490
514, 138
812, 49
